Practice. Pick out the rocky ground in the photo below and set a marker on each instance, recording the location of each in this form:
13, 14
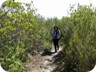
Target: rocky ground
42, 62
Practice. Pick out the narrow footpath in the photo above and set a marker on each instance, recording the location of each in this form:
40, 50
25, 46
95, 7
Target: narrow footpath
42, 63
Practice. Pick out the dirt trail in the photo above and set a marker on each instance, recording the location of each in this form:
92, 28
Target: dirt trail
41, 63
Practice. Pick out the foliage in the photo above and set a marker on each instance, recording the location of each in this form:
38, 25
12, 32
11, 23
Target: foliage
16, 34
81, 51
22, 31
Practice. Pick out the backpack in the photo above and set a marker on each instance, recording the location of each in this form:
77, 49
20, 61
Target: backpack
56, 34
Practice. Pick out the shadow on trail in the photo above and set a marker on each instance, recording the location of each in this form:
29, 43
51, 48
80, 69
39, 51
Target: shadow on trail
59, 61
47, 52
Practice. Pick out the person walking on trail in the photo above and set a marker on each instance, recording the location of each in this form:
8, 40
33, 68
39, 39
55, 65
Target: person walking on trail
56, 34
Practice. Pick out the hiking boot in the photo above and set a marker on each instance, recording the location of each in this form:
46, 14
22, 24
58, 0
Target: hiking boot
55, 51
58, 47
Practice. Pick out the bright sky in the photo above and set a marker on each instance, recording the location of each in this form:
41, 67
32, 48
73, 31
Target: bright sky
56, 8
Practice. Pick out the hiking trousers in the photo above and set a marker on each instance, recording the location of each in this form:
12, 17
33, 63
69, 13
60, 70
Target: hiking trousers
56, 45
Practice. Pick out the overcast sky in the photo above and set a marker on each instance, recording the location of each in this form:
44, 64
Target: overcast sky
56, 8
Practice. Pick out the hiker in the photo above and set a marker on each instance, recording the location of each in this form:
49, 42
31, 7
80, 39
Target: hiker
56, 34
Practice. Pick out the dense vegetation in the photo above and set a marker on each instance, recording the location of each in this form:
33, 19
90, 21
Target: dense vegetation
22, 31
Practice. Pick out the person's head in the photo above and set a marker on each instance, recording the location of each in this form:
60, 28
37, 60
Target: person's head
55, 27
